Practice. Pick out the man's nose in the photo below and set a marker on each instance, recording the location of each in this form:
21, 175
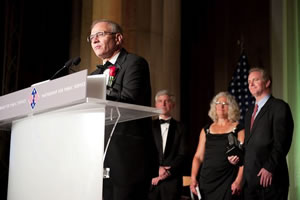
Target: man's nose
96, 39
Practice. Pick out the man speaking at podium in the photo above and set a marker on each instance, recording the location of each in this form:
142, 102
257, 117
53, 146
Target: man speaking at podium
128, 159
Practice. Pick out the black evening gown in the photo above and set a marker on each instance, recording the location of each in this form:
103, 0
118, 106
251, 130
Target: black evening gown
217, 174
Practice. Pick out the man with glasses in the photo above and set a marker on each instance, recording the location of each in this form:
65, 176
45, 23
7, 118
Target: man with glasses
128, 159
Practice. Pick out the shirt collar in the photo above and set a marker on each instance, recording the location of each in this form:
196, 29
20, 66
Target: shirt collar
262, 102
113, 60
164, 119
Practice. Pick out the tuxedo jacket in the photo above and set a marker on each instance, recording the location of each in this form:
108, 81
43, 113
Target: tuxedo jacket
268, 143
175, 149
128, 154
132, 80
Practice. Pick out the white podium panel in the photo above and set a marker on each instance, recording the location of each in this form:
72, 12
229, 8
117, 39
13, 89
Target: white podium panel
57, 137
57, 156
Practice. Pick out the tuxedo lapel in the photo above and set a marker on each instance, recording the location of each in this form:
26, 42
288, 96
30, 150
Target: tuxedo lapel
170, 138
158, 138
121, 59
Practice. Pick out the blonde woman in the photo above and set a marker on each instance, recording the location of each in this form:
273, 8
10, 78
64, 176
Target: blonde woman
219, 179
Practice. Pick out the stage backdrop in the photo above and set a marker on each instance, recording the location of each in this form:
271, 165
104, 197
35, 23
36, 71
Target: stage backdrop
286, 74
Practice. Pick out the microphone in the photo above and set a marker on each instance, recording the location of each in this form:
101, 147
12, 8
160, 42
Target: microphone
76, 61
68, 64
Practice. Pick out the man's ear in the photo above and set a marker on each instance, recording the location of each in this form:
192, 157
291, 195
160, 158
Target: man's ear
119, 38
268, 84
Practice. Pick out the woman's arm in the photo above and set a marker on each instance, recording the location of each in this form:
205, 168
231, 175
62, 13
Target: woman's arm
197, 161
237, 183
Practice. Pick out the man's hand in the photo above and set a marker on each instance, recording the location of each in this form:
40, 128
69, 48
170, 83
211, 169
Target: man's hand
164, 172
155, 180
265, 177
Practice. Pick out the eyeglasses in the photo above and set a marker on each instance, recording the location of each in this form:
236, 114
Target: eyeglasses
221, 103
99, 34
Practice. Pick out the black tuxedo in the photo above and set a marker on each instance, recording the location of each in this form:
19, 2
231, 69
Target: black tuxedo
174, 156
128, 155
266, 146
132, 81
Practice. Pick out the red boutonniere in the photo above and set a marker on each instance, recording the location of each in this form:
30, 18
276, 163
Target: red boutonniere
112, 75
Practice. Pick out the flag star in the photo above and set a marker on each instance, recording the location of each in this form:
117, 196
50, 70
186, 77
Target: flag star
238, 85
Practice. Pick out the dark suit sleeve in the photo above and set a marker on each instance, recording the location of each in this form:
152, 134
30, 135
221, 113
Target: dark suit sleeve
282, 128
134, 84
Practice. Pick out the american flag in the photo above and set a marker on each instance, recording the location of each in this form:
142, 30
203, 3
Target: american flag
239, 86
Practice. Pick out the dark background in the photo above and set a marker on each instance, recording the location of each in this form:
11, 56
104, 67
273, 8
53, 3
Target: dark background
210, 52
35, 42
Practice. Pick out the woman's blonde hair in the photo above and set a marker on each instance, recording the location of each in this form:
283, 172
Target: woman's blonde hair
233, 109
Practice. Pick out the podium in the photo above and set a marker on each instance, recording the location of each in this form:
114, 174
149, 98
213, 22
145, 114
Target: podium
57, 137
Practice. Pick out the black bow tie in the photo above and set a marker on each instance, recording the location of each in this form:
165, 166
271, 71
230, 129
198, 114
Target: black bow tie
162, 121
105, 66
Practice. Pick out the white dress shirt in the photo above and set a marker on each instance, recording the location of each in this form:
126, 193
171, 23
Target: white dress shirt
164, 133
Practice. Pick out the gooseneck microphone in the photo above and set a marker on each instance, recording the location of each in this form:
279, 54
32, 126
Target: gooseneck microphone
68, 64
76, 61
